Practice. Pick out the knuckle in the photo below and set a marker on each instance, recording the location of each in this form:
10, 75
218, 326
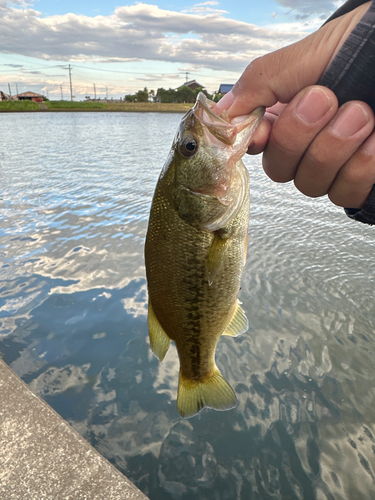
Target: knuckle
318, 157
277, 171
359, 170
284, 146
254, 69
286, 139
336, 198
277, 176
309, 188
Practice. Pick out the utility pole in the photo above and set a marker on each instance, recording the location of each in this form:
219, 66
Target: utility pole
187, 74
95, 91
62, 97
106, 93
70, 79
10, 92
17, 88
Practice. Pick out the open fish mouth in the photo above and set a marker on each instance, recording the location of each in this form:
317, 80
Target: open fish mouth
219, 126
225, 130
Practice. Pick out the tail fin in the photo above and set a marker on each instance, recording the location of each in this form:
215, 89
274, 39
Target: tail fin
213, 392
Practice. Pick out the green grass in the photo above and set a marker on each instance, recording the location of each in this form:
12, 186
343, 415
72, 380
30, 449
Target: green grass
93, 106
19, 106
75, 105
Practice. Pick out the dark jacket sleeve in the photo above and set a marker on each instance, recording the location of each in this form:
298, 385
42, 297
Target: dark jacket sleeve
351, 76
345, 8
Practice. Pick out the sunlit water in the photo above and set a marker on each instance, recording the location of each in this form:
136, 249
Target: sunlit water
75, 195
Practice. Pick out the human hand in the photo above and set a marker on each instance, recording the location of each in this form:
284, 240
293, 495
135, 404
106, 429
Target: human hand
323, 148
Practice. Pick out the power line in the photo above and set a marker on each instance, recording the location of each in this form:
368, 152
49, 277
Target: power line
70, 79
91, 68
13, 70
126, 72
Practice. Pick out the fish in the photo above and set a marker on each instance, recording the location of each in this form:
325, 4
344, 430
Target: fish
195, 250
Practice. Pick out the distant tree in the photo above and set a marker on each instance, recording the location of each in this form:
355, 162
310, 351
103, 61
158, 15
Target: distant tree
141, 95
45, 98
185, 94
166, 95
200, 89
129, 98
217, 97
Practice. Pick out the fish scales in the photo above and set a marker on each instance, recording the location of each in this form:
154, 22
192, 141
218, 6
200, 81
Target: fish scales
189, 309
194, 258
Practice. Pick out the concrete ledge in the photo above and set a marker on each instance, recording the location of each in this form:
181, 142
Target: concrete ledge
43, 458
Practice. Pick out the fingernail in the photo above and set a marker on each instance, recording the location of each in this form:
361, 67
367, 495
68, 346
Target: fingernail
313, 106
349, 121
225, 102
369, 146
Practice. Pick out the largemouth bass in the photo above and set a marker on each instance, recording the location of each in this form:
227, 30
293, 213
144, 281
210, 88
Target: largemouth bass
196, 248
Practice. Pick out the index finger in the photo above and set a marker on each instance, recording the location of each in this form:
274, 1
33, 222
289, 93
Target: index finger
280, 75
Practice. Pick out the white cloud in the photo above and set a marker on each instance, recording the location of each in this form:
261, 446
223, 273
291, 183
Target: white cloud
206, 7
4, 4
141, 32
305, 8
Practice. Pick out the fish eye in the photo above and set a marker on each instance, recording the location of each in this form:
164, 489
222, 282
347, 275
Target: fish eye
188, 147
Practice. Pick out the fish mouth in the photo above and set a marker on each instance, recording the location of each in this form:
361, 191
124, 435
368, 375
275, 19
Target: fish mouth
225, 130
219, 126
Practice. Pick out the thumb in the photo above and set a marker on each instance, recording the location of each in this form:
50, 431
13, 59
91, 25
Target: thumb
280, 75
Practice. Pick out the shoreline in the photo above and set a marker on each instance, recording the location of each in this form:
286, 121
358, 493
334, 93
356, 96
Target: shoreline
63, 106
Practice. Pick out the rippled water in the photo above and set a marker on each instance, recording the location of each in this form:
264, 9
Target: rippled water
75, 194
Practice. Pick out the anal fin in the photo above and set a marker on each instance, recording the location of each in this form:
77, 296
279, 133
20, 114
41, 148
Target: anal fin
159, 340
212, 392
238, 324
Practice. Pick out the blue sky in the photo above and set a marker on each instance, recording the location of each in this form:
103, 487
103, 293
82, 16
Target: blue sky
122, 46
252, 11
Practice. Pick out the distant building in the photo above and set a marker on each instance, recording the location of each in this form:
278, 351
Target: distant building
4, 97
192, 84
30, 96
225, 88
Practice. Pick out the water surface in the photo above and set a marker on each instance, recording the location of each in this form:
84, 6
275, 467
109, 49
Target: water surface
76, 189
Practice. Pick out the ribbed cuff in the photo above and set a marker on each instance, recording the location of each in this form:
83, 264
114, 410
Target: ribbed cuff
365, 214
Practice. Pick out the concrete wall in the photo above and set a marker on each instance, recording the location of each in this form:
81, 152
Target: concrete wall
43, 458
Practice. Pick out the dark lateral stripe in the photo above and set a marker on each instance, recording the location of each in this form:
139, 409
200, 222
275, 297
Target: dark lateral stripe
195, 358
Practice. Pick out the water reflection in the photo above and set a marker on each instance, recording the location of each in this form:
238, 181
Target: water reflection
76, 190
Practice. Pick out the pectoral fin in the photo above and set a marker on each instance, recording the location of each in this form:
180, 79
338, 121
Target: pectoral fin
215, 256
238, 324
159, 340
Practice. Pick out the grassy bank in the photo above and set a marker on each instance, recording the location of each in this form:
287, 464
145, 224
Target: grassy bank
10, 106
19, 106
